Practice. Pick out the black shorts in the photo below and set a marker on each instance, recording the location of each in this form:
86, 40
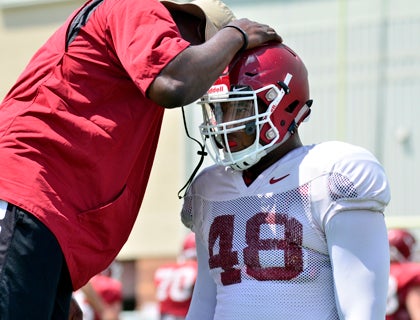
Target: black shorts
34, 279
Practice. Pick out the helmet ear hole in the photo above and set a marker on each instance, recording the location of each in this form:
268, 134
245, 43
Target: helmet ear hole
291, 107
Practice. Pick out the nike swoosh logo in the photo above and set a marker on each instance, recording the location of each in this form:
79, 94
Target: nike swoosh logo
275, 180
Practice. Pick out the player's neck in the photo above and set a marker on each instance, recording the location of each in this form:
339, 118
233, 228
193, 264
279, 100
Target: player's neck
249, 175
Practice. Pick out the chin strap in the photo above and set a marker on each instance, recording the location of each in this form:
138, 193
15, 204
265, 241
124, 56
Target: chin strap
202, 153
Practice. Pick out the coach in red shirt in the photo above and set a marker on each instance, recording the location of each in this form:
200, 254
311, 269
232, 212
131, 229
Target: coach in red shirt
78, 135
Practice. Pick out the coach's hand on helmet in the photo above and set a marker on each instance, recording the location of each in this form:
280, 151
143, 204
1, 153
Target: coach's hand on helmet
253, 33
186, 78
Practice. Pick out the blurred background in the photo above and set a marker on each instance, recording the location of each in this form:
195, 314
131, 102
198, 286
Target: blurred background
363, 59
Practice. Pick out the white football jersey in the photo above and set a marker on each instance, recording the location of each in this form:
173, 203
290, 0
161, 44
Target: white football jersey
266, 244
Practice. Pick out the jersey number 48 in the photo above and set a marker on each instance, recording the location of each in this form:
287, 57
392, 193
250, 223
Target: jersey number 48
290, 245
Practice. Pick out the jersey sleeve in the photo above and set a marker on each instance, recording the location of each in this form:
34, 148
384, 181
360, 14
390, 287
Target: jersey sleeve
186, 212
144, 38
355, 180
203, 302
191, 212
359, 253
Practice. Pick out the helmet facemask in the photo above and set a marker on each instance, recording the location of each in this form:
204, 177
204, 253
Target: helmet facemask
273, 82
226, 112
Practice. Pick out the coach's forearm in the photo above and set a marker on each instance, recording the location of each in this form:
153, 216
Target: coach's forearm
193, 71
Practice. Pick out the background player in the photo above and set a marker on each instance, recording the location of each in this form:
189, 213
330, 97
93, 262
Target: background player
283, 230
404, 280
175, 282
102, 297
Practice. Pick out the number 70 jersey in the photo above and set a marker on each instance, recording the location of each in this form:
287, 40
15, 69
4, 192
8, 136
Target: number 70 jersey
266, 246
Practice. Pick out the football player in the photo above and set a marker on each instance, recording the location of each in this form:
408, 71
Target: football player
404, 280
283, 230
175, 282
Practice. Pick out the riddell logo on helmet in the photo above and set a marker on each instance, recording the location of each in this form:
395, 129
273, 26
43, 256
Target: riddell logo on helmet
217, 89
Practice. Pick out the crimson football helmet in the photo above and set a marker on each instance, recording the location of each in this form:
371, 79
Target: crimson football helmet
401, 244
266, 93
